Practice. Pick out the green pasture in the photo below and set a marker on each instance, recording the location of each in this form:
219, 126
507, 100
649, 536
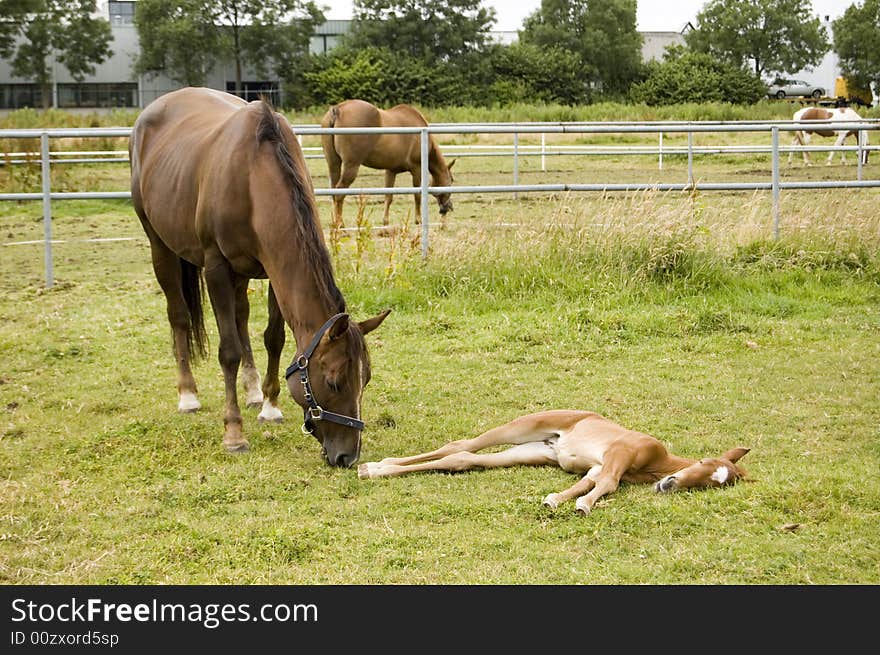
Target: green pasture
675, 314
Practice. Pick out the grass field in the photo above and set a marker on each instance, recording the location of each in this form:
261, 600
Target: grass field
673, 314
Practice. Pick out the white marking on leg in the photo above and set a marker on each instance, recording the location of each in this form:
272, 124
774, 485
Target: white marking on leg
188, 402
552, 500
250, 378
582, 505
270, 412
720, 474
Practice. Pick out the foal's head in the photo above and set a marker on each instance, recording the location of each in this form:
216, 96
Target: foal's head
705, 473
338, 372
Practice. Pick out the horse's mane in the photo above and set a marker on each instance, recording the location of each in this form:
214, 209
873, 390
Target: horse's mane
313, 248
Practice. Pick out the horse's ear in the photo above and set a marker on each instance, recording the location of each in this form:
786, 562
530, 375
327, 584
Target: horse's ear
735, 454
339, 328
371, 324
451, 164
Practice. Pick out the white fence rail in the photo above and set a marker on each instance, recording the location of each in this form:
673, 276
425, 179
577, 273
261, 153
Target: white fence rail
775, 185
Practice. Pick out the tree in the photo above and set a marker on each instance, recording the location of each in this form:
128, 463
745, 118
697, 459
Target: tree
778, 36
32, 31
431, 30
685, 76
601, 32
185, 39
857, 43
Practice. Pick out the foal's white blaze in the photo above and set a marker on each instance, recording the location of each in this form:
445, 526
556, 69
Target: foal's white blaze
188, 402
270, 412
720, 474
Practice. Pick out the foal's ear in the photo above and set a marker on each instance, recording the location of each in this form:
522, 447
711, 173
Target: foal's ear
339, 328
371, 324
451, 164
735, 454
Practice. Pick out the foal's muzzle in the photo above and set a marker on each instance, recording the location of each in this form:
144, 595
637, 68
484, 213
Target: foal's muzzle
665, 485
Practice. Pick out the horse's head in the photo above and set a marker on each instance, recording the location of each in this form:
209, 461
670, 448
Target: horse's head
705, 473
442, 176
329, 383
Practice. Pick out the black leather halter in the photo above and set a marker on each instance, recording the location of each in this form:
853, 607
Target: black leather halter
314, 412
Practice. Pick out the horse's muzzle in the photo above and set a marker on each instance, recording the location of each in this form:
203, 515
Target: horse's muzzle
445, 208
666, 485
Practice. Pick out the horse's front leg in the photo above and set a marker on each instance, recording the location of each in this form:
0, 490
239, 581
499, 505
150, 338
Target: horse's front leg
250, 377
273, 338
417, 197
390, 179
221, 282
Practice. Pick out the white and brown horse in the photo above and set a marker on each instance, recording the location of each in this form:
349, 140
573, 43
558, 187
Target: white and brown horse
578, 442
223, 193
838, 114
393, 153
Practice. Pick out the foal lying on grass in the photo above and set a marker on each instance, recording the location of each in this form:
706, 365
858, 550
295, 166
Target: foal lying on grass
578, 442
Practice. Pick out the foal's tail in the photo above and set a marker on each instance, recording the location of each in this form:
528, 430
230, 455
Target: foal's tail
192, 283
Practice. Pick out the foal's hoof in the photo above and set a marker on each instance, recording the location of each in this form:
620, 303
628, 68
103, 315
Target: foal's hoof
551, 501
237, 448
582, 507
364, 471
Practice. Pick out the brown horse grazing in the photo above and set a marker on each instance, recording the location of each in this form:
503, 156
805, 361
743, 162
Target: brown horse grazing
395, 153
577, 442
221, 187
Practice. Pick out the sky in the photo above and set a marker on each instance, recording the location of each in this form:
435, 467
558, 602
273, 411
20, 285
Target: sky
651, 15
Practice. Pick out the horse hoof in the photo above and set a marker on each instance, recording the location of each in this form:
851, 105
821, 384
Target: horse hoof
237, 448
270, 413
551, 501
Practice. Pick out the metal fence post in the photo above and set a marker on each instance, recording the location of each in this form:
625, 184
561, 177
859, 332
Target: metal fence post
660, 151
691, 159
775, 182
859, 152
423, 142
543, 152
515, 163
47, 208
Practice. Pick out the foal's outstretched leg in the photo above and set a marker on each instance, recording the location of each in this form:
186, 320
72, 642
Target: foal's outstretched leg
616, 462
579, 488
273, 338
522, 430
535, 453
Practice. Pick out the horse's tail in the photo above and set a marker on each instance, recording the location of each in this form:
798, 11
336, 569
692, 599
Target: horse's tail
328, 144
192, 282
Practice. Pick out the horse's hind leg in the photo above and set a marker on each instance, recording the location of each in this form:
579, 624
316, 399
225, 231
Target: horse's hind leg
273, 338
168, 269
222, 283
346, 177
250, 377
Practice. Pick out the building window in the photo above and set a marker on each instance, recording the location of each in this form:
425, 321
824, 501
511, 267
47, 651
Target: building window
18, 96
121, 13
253, 90
119, 94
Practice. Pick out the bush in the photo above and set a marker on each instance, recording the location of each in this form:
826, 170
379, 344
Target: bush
689, 77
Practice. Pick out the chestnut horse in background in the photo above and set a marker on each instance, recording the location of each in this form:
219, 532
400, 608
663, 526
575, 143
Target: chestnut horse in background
577, 442
840, 114
222, 191
393, 153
